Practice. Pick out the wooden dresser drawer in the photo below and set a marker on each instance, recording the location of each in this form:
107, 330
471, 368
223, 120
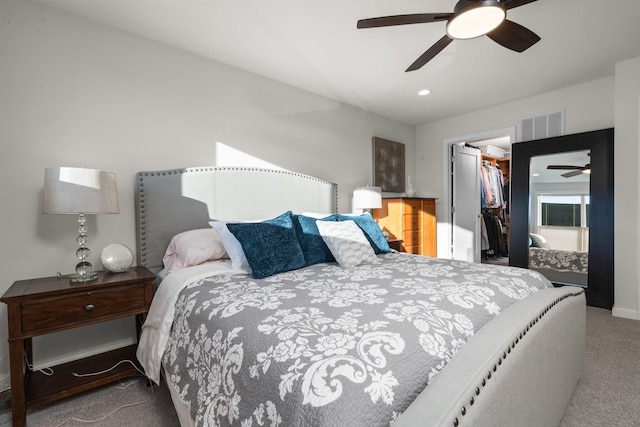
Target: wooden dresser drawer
415, 249
411, 222
412, 206
82, 308
411, 238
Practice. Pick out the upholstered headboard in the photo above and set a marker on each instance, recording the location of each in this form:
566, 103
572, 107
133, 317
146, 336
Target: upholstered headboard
172, 201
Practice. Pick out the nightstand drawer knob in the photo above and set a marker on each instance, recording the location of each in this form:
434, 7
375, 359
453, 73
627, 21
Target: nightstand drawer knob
89, 307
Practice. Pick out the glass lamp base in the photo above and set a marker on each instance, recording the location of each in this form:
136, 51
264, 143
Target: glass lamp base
92, 275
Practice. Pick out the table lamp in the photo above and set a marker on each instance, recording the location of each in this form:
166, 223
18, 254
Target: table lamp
367, 198
80, 191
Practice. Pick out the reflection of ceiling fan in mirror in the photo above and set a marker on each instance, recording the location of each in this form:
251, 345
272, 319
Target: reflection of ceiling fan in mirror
575, 170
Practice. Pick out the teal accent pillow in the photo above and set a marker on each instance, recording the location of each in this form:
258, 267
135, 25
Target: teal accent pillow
270, 246
313, 247
371, 231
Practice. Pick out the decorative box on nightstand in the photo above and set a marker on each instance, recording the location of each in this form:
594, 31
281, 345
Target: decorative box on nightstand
51, 304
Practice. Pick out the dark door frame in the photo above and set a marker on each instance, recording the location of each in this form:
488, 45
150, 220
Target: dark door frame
600, 277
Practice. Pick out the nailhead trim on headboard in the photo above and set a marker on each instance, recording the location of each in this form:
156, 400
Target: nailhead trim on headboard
516, 340
141, 223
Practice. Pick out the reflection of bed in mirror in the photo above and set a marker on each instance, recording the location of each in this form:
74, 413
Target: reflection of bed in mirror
558, 265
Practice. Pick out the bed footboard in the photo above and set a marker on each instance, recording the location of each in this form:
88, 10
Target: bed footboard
519, 370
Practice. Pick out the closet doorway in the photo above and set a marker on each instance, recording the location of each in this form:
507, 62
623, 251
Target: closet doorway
495, 168
479, 224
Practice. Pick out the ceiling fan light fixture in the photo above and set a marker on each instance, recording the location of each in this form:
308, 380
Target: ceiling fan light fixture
475, 18
586, 171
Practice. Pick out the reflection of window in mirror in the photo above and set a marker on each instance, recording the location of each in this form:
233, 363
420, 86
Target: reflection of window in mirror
564, 220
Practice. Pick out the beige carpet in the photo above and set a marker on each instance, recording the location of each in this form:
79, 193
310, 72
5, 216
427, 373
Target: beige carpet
608, 394
155, 411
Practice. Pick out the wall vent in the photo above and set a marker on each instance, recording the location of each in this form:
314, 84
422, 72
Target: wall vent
542, 126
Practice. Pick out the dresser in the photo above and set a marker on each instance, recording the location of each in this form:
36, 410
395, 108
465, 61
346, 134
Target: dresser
411, 220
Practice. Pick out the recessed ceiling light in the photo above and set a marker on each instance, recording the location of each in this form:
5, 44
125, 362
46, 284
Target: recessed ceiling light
535, 174
424, 92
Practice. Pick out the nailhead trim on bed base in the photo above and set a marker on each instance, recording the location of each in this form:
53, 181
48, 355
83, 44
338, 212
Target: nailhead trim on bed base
516, 340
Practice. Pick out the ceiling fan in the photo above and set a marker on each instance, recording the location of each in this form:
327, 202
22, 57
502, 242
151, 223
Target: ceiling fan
469, 19
575, 170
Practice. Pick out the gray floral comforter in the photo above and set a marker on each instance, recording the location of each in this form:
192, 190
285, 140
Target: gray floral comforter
327, 346
559, 260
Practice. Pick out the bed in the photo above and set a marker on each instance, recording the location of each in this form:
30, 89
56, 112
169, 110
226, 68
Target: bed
396, 338
559, 266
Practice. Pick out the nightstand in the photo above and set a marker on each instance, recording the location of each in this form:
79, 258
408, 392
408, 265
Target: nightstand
395, 244
51, 304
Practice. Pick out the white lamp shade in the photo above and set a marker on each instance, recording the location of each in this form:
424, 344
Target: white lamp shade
79, 190
367, 198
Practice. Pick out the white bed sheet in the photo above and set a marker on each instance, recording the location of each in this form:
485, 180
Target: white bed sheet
157, 326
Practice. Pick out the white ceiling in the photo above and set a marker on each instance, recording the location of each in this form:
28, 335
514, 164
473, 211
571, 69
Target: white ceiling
316, 46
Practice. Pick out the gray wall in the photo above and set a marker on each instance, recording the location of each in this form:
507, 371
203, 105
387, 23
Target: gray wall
608, 102
74, 93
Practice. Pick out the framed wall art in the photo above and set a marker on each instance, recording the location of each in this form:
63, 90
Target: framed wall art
388, 165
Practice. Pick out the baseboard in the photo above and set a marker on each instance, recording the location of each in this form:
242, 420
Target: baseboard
624, 313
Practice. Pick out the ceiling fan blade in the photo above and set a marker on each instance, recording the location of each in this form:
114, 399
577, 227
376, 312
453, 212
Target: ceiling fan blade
516, 3
564, 167
572, 173
513, 36
430, 53
416, 18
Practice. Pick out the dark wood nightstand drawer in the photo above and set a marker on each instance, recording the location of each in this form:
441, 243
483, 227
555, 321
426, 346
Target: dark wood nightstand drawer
83, 308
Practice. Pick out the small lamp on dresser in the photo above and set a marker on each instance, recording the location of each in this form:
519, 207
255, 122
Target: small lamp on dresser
80, 191
367, 198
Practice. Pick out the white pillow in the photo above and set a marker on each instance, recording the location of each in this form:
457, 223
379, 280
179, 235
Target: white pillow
316, 215
191, 248
232, 246
347, 243
539, 241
